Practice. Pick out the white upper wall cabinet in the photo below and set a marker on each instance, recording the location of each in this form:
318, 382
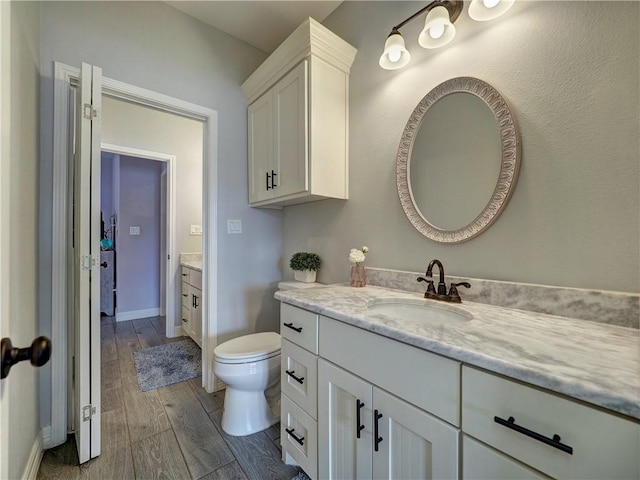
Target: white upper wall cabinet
298, 119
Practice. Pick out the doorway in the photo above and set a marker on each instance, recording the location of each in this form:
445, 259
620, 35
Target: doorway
137, 194
66, 78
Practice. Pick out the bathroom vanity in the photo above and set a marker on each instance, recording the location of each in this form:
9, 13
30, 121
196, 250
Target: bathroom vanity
191, 294
480, 392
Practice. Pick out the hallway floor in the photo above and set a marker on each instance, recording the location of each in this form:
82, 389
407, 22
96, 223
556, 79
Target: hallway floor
172, 432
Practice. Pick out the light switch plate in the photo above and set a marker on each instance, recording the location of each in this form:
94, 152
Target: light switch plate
134, 230
196, 230
234, 226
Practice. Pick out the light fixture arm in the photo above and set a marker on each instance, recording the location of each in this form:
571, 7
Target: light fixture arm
453, 6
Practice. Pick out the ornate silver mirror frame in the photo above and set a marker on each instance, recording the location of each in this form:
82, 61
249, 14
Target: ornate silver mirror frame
509, 169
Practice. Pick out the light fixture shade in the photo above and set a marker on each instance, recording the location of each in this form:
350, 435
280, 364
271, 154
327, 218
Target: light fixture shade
438, 29
483, 10
395, 55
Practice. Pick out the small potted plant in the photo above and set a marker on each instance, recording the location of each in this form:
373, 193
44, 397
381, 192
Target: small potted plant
304, 266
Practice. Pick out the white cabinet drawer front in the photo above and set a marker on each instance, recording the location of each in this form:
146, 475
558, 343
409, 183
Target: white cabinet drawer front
603, 445
184, 274
299, 377
480, 462
299, 436
186, 295
299, 326
195, 279
429, 381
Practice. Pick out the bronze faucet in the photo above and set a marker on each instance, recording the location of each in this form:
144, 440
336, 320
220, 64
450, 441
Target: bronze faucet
453, 296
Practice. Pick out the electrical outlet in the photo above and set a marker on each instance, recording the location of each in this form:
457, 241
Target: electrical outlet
196, 230
134, 230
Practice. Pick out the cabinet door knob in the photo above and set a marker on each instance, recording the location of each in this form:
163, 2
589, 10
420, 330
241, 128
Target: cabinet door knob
273, 179
267, 180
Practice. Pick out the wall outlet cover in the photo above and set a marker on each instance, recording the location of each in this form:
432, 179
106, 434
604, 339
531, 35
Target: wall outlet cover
195, 230
134, 230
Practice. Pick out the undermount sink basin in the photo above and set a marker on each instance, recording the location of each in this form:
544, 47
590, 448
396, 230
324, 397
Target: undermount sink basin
418, 310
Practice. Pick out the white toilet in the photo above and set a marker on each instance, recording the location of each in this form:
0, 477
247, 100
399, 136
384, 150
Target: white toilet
250, 367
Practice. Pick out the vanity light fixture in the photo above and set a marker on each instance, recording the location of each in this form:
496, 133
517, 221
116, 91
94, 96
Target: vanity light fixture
438, 27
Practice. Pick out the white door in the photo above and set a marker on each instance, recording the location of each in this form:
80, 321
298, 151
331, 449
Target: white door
345, 436
87, 264
290, 113
260, 132
411, 443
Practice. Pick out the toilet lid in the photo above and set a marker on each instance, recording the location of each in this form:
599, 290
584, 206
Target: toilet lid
248, 346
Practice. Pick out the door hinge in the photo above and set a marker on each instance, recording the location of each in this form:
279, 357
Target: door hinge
89, 112
86, 262
88, 411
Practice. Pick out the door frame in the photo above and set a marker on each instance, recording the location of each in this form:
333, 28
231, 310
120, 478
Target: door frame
65, 77
170, 265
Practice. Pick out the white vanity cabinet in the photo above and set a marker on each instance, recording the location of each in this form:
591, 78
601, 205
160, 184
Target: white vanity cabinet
299, 381
191, 294
559, 437
298, 119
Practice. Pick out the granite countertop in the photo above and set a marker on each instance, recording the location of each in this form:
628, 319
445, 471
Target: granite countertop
194, 264
589, 361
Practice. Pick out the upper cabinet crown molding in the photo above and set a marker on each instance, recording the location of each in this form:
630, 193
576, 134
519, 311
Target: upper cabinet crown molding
310, 38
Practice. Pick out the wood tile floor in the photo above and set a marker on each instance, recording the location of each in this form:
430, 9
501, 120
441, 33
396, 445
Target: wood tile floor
172, 432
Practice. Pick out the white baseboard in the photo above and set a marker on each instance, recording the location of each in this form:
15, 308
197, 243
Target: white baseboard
136, 314
35, 457
178, 331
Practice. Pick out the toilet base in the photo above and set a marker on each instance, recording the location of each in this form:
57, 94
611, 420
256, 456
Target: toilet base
246, 412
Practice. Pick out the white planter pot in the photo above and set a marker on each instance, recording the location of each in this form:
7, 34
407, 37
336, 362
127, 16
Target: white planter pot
306, 276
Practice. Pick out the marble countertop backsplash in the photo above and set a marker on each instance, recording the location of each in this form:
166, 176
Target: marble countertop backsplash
191, 260
598, 363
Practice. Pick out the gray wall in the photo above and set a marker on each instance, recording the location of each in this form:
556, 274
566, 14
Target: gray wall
570, 72
152, 45
19, 58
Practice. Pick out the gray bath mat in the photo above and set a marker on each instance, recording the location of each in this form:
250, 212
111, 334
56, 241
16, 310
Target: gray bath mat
167, 364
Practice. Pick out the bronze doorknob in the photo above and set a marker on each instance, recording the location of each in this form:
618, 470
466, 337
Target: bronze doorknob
38, 354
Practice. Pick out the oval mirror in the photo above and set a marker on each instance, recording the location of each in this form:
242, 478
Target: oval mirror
458, 160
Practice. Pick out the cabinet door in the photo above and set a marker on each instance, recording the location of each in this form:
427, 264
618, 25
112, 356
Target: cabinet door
290, 123
260, 146
341, 454
411, 443
195, 322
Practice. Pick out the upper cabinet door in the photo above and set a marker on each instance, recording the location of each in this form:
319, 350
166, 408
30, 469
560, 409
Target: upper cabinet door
260, 148
290, 120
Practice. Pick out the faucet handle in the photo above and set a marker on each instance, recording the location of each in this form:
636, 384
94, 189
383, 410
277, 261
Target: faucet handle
454, 296
430, 286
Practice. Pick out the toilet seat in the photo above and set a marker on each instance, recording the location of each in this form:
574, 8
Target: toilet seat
249, 348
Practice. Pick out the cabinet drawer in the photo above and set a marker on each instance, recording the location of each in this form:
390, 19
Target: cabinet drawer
184, 274
299, 326
195, 279
299, 377
480, 462
429, 381
186, 296
603, 445
185, 319
304, 451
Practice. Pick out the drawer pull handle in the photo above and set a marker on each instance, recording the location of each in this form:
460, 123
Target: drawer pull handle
290, 431
290, 325
185, 294
291, 373
378, 439
185, 274
359, 427
554, 442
